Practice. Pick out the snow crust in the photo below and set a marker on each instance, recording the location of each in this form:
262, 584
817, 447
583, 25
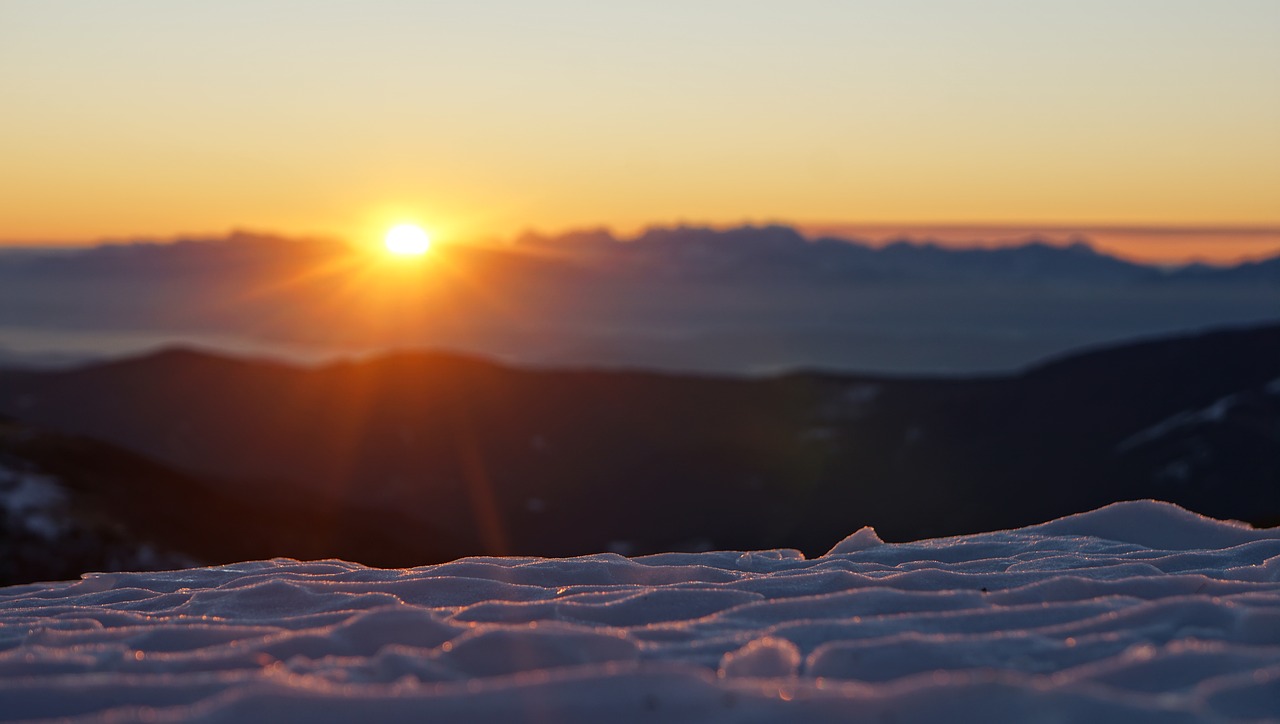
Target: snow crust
1137, 612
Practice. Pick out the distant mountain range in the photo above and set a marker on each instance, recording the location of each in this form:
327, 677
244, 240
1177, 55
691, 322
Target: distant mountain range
774, 253
684, 299
420, 457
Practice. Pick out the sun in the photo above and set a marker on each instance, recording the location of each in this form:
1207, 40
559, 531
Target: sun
407, 240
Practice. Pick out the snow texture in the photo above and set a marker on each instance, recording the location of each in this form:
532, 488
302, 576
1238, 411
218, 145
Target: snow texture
1137, 612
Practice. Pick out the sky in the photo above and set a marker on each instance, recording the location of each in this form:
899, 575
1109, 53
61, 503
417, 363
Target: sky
153, 118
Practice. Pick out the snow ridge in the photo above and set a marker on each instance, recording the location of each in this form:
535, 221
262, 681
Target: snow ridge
1136, 612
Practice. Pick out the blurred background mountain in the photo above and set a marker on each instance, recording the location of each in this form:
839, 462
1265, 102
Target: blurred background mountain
739, 300
415, 458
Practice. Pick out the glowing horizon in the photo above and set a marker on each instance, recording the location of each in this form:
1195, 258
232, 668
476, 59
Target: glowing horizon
1143, 244
144, 118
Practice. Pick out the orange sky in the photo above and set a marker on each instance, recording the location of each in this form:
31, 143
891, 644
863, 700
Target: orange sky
155, 119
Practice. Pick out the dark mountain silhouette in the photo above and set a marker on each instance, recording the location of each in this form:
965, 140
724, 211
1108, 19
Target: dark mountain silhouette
69, 504
780, 253
496, 459
1265, 271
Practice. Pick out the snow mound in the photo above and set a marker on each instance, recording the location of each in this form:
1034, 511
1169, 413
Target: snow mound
1153, 524
1137, 612
864, 538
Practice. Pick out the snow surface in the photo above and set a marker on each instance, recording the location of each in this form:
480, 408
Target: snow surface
1137, 612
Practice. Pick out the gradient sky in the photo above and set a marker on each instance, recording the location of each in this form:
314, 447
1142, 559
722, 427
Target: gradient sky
155, 118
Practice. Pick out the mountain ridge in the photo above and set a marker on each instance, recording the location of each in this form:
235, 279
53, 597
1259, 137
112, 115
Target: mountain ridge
684, 299
572, 461
684, 244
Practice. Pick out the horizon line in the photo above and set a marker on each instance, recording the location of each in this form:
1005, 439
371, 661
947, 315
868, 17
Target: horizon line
984, 235
799, 225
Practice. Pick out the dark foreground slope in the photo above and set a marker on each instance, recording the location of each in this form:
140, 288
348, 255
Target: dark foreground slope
519, 461
69, 504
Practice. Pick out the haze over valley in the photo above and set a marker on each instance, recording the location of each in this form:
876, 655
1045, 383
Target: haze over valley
741, 300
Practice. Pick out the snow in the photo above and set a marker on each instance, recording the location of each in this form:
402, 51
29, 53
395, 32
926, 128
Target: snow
32, 502
1136, 612
1216, 412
